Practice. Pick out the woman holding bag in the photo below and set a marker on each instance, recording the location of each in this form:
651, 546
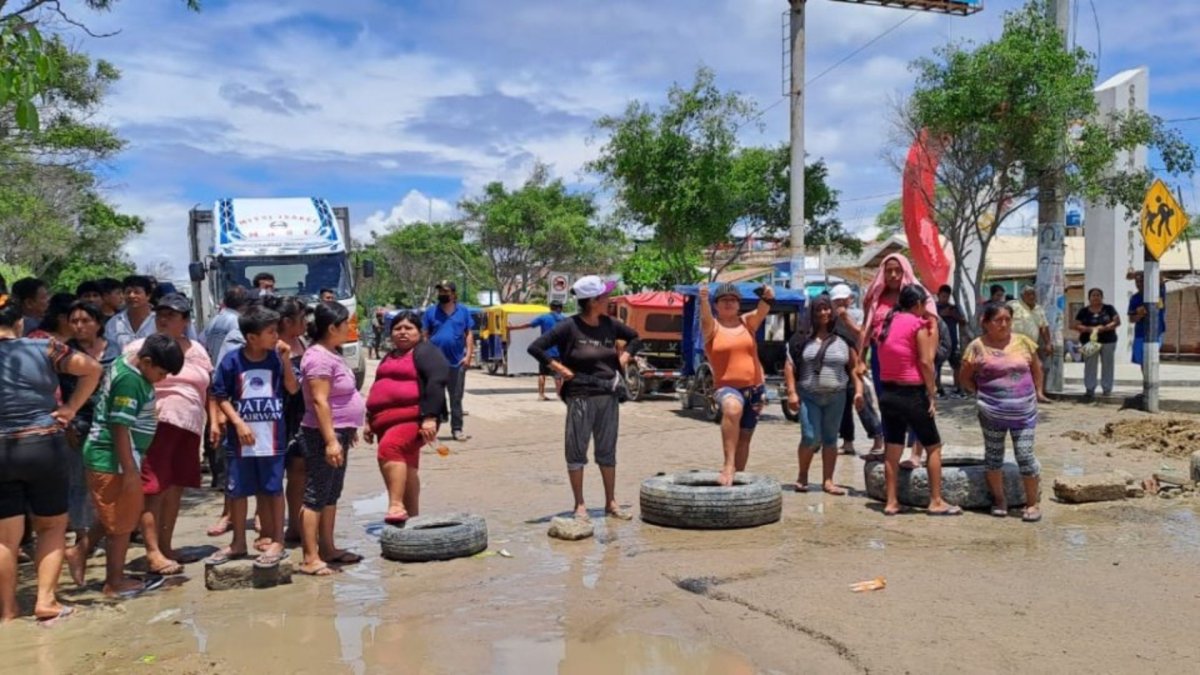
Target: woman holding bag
1097, 323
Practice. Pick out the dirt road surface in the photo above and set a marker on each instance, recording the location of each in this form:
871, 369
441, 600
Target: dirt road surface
1107, 587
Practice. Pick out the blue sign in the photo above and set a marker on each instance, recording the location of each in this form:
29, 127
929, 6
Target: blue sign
1074, 218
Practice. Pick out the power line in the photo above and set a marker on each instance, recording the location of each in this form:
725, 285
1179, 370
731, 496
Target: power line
833, 67
1183, 119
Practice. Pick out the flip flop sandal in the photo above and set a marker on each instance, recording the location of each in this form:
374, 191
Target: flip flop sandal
322, 571
222, 557
269, 560
999, 512
836, 491
168, 570
64, 612
218, 530
397, 521
150, 584
619, 515
346, 558
1026, 517
798, 487
951, 511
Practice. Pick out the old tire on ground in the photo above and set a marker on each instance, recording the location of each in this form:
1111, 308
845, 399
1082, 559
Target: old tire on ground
706, 388
694, 501
964, 486
426, 538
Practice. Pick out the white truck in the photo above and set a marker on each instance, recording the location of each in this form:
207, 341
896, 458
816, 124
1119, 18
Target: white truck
303, 242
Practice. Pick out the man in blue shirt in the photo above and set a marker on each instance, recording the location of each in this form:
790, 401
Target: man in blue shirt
545, 322
448, 326
1139, 314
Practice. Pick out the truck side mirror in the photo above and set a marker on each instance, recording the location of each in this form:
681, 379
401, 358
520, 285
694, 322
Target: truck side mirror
368, 269
196, 271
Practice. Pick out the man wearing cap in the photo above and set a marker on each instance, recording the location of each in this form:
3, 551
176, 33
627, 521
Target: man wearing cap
448, 326
545, 322
1029, 319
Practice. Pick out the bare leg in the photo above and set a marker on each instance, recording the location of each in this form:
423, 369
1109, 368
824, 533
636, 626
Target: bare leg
608, 474
891, 473
221, 526
272, 520
237, 517
11, 530
296, 472
412, 492
829, 454
151, 519
731, 420
395, 477
1033, 495
541, 387
742, 456
77, 555
171, 500
576, 478
115, 581
325, 545
933, 465
51, 541
310, 522
995, 483
804, 455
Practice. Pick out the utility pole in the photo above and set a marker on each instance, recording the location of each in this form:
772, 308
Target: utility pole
796, 187
1051, 241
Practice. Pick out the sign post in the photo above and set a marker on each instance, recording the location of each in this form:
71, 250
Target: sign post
1163, 220
560, 287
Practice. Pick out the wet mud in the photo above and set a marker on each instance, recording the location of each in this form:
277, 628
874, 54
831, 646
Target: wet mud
1107, 587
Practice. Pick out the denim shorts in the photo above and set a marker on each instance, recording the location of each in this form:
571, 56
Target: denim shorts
821, 417
751, 399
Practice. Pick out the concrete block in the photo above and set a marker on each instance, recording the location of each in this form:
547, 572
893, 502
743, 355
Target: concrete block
245, 574
1099, 487
965, 486
570, 529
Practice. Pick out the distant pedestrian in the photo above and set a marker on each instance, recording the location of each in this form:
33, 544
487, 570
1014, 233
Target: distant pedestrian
89, 292
739, 388
1004, 368
1139, 315
57, 321
327, 295
225, 321
954, 321
907, 343
1098, 322
376, 333
820, 366
545, 323
1029, 319
264, 282
112, 297
404, 409
448, 326
293, 327
136, 320
32, 295
848, 323
590, 362
334, 412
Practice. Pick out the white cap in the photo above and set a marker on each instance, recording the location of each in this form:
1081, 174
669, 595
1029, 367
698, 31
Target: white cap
841, 292
592, 286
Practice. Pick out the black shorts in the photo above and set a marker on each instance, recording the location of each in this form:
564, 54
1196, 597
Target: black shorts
546, 371
33, 476
904, 407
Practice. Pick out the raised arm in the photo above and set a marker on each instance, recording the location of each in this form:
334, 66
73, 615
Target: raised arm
756, 318
708, 325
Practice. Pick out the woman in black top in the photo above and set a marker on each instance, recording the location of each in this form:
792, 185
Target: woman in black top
1101, 320
593, 350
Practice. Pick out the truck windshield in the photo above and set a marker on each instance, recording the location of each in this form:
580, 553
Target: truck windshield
294, 275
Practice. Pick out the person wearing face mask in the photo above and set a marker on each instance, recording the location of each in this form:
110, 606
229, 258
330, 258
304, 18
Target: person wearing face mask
448, 326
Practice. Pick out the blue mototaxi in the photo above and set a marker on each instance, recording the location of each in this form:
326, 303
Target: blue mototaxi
696, 387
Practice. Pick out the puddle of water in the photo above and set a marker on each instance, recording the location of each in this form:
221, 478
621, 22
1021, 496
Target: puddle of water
370, 506
615, 655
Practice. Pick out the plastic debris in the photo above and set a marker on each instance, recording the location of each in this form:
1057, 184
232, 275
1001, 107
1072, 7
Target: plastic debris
505, 554
148, 659
164, 615
876, 584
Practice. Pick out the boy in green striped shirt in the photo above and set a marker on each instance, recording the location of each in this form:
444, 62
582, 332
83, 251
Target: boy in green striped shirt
122, 429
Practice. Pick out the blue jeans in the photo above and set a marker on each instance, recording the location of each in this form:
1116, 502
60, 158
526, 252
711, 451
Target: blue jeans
820, 418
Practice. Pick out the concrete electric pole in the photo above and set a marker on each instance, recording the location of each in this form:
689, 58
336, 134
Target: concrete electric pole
796, 188
1051, 243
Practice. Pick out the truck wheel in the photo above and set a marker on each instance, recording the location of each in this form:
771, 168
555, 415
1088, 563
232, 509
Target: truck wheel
706, 388
787, 412
693, 500
426, 538
635, 383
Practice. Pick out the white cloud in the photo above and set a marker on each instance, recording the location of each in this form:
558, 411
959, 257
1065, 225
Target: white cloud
415, 207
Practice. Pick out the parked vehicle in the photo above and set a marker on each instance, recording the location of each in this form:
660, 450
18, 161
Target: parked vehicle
303, 242
657, 316
696, 388
494, 338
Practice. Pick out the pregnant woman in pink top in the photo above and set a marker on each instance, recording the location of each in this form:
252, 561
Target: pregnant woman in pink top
906, 349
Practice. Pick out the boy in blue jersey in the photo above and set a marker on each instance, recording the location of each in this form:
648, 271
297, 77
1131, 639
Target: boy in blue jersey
248, 386
545, 322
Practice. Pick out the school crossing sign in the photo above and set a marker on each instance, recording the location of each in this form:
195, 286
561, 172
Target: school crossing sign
1163, 219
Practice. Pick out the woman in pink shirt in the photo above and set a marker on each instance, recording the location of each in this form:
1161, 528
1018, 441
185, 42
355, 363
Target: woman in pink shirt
172, 461
907, 399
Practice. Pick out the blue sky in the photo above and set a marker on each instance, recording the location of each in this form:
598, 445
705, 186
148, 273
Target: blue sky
397, 107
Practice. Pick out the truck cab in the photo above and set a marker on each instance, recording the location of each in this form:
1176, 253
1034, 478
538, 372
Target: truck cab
303, 242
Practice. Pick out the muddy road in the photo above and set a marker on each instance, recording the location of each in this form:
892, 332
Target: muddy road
1101, 587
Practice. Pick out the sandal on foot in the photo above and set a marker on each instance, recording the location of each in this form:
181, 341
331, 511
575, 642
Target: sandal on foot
219, 529
345, 558
1031, 517
64, 612
618, 514
270, 559
948, 511
889, 514
397, 521
800, 487
321, 570
999, 511
836, 490
150, 584
222, 557
168, 570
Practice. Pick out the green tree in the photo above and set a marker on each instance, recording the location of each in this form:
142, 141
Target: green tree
412, 259
679, 174
890, 221
540, 227
998, 113
96, 246
651, 268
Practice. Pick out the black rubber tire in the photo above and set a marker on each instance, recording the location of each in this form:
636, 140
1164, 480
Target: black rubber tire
694, 501
635, 383
426, 538
707, 388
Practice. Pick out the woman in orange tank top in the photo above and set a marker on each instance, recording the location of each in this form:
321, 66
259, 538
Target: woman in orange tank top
732, 350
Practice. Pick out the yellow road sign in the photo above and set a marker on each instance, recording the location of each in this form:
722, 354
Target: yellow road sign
1163, 219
